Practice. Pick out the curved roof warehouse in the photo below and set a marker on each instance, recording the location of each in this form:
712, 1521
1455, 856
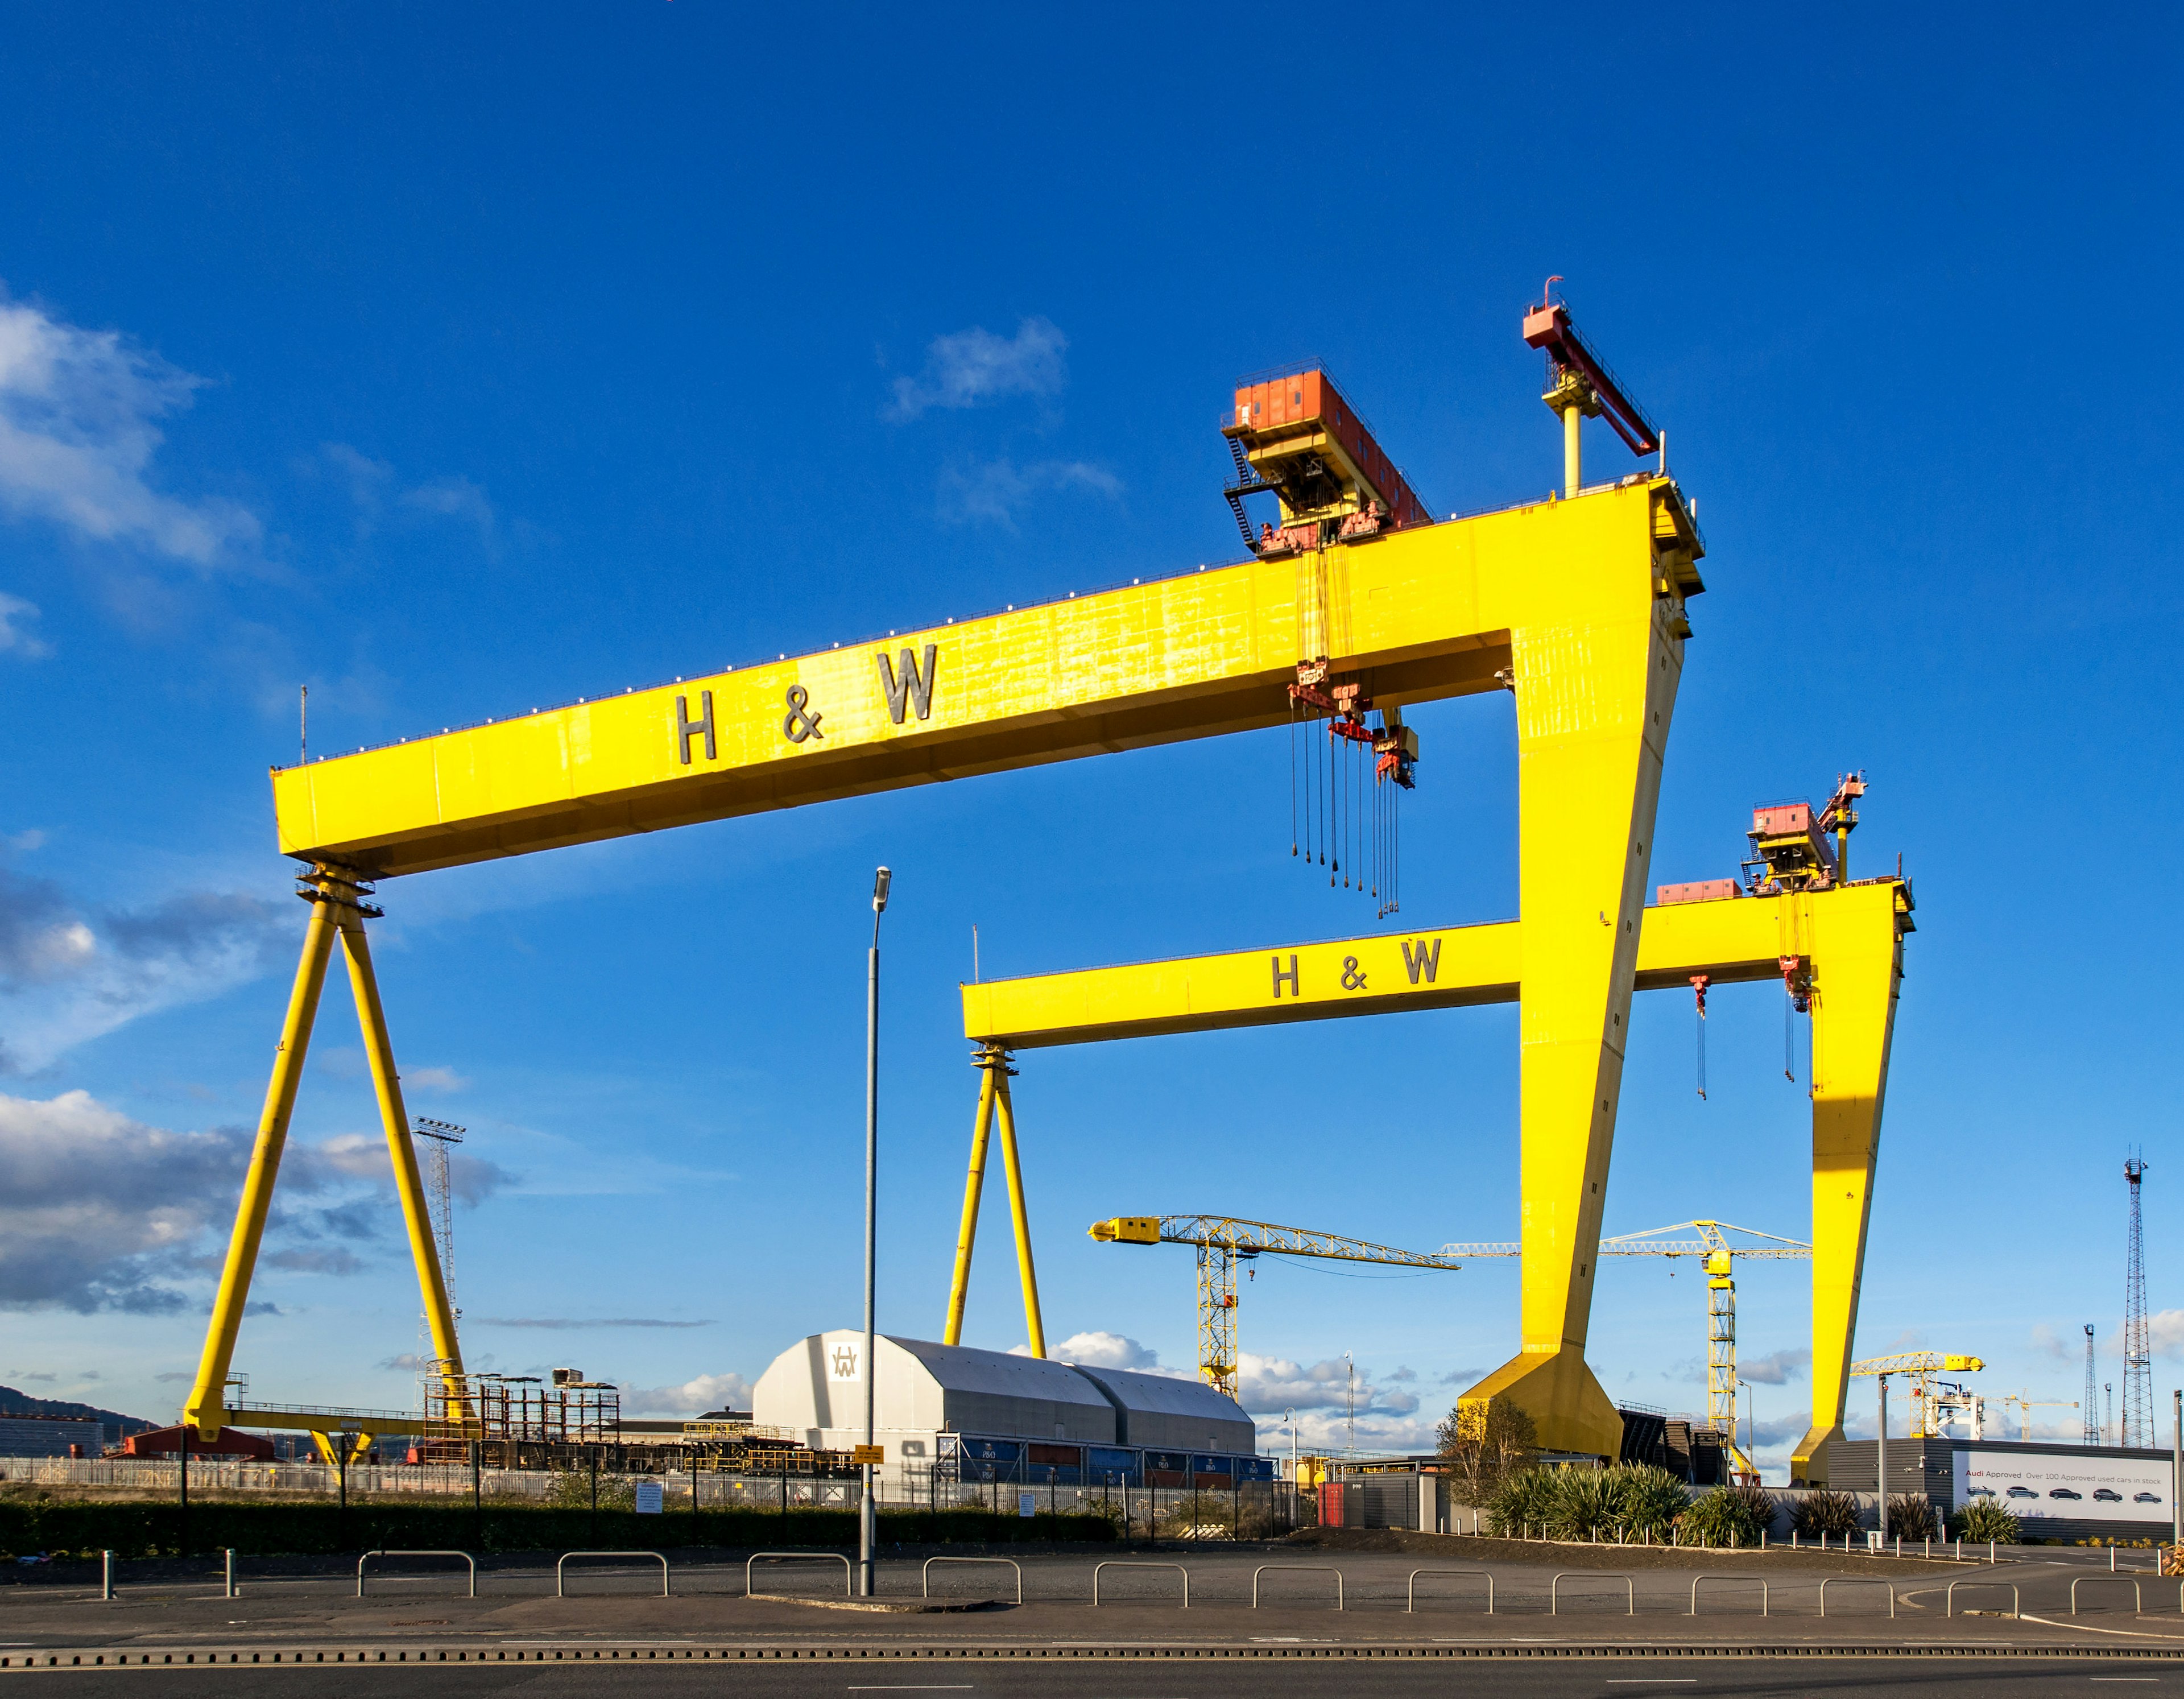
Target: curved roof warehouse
816, 1388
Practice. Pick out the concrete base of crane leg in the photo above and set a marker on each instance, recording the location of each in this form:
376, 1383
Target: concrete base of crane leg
1569, 1411
1808, 1462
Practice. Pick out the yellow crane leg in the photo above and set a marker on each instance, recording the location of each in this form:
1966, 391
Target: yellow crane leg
1006, 1112
1595, 696
409, 1185
1858, 970
992, 1061
206, 1410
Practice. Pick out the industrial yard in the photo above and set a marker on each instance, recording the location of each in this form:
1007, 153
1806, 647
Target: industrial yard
797, 868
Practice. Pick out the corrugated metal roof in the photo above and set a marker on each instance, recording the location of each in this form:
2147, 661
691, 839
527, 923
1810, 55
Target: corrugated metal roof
1166, 1395
966, 1368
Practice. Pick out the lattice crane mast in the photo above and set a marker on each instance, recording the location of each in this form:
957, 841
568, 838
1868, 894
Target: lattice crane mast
1223, 1240
1718, 1252
1929, 1398
2026, 1404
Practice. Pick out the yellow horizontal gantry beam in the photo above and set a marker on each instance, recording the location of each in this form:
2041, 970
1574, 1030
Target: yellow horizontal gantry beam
1426, 613
1732, 939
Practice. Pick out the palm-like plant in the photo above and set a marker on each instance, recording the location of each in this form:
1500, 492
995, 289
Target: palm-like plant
1911, 1517
1820, 1513
1721, 1518
1985, 1518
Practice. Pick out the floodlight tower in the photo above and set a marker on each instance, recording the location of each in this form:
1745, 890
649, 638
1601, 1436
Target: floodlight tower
2092, 1436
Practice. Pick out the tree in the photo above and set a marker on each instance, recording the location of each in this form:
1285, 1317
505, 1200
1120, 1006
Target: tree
1484, 1444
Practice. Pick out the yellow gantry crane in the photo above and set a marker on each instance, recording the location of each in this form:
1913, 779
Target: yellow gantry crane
1719, 1252
1221, 1241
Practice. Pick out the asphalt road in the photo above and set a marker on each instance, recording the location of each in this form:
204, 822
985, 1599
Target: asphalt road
1596, 1679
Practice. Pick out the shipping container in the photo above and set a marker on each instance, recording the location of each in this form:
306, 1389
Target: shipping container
1696, 891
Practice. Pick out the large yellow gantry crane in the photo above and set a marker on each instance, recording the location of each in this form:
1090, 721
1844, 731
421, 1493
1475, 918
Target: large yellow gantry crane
1221, 1241
1839, 945
1577, 604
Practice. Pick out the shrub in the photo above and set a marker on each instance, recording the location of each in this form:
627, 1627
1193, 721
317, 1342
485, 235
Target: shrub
1528, 1502
1647, 1501
1819, 1513
1911, 1517
1760, 1502
1721, 1518
1984, 1518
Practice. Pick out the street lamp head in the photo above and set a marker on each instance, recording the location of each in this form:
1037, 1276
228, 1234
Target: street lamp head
881, 881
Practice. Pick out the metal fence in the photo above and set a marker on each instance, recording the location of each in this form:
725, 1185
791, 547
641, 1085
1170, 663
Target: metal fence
1251, 1510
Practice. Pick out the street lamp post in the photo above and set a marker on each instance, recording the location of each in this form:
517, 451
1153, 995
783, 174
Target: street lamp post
868, 1513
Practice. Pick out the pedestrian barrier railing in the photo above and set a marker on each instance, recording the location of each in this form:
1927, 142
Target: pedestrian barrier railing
656, 1557
2137, 1600
1856, 1581
925, 1575
1745, 1580
1294, 1569
1119, 1563
797, 1558
1555, 1590
369, 1556
1410, 1587
1949, 1599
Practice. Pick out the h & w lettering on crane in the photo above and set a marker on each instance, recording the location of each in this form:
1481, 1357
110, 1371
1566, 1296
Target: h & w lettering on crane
1426, 961
1291, 976
687, 729
911, 685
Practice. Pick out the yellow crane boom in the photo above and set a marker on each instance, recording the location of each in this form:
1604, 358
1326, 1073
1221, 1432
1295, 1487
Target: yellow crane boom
1220, 1239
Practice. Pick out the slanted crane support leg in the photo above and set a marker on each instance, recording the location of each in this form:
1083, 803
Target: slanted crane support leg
1005, 1112
207, 1408
409, 1187
1594, 698
1858, 971
992, 1061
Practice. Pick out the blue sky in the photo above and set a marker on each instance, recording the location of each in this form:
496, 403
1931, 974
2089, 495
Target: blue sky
454, 363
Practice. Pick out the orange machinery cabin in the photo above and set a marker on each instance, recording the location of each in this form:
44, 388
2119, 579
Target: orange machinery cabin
1279, 420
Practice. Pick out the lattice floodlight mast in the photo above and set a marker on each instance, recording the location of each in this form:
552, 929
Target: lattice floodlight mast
440, 1136
2092, 1434
2137, 1353
1221, 1241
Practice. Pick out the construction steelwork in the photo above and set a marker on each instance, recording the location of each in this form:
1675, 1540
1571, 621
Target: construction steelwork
1719, 1252
1221, 1241
1846, 941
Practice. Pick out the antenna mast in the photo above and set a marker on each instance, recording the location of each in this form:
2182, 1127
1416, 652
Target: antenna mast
2137, 1355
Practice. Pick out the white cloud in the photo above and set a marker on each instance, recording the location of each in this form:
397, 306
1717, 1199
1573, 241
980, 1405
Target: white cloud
2164, 1331
14, 614
2046, 1342
1775, 1368
975, 366
434, 1079
375, 488
692, 1398
97, 1209
77, 436
454, 498
1100, 1349
69, 974
993, 491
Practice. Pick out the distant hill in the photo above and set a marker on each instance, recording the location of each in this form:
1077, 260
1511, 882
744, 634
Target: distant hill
15, 1403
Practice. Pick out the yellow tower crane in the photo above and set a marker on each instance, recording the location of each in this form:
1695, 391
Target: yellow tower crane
1221, 1241
1719, 1252
2026, 1404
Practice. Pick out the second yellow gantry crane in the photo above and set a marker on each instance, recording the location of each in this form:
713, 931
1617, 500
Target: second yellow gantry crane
1220, 1239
